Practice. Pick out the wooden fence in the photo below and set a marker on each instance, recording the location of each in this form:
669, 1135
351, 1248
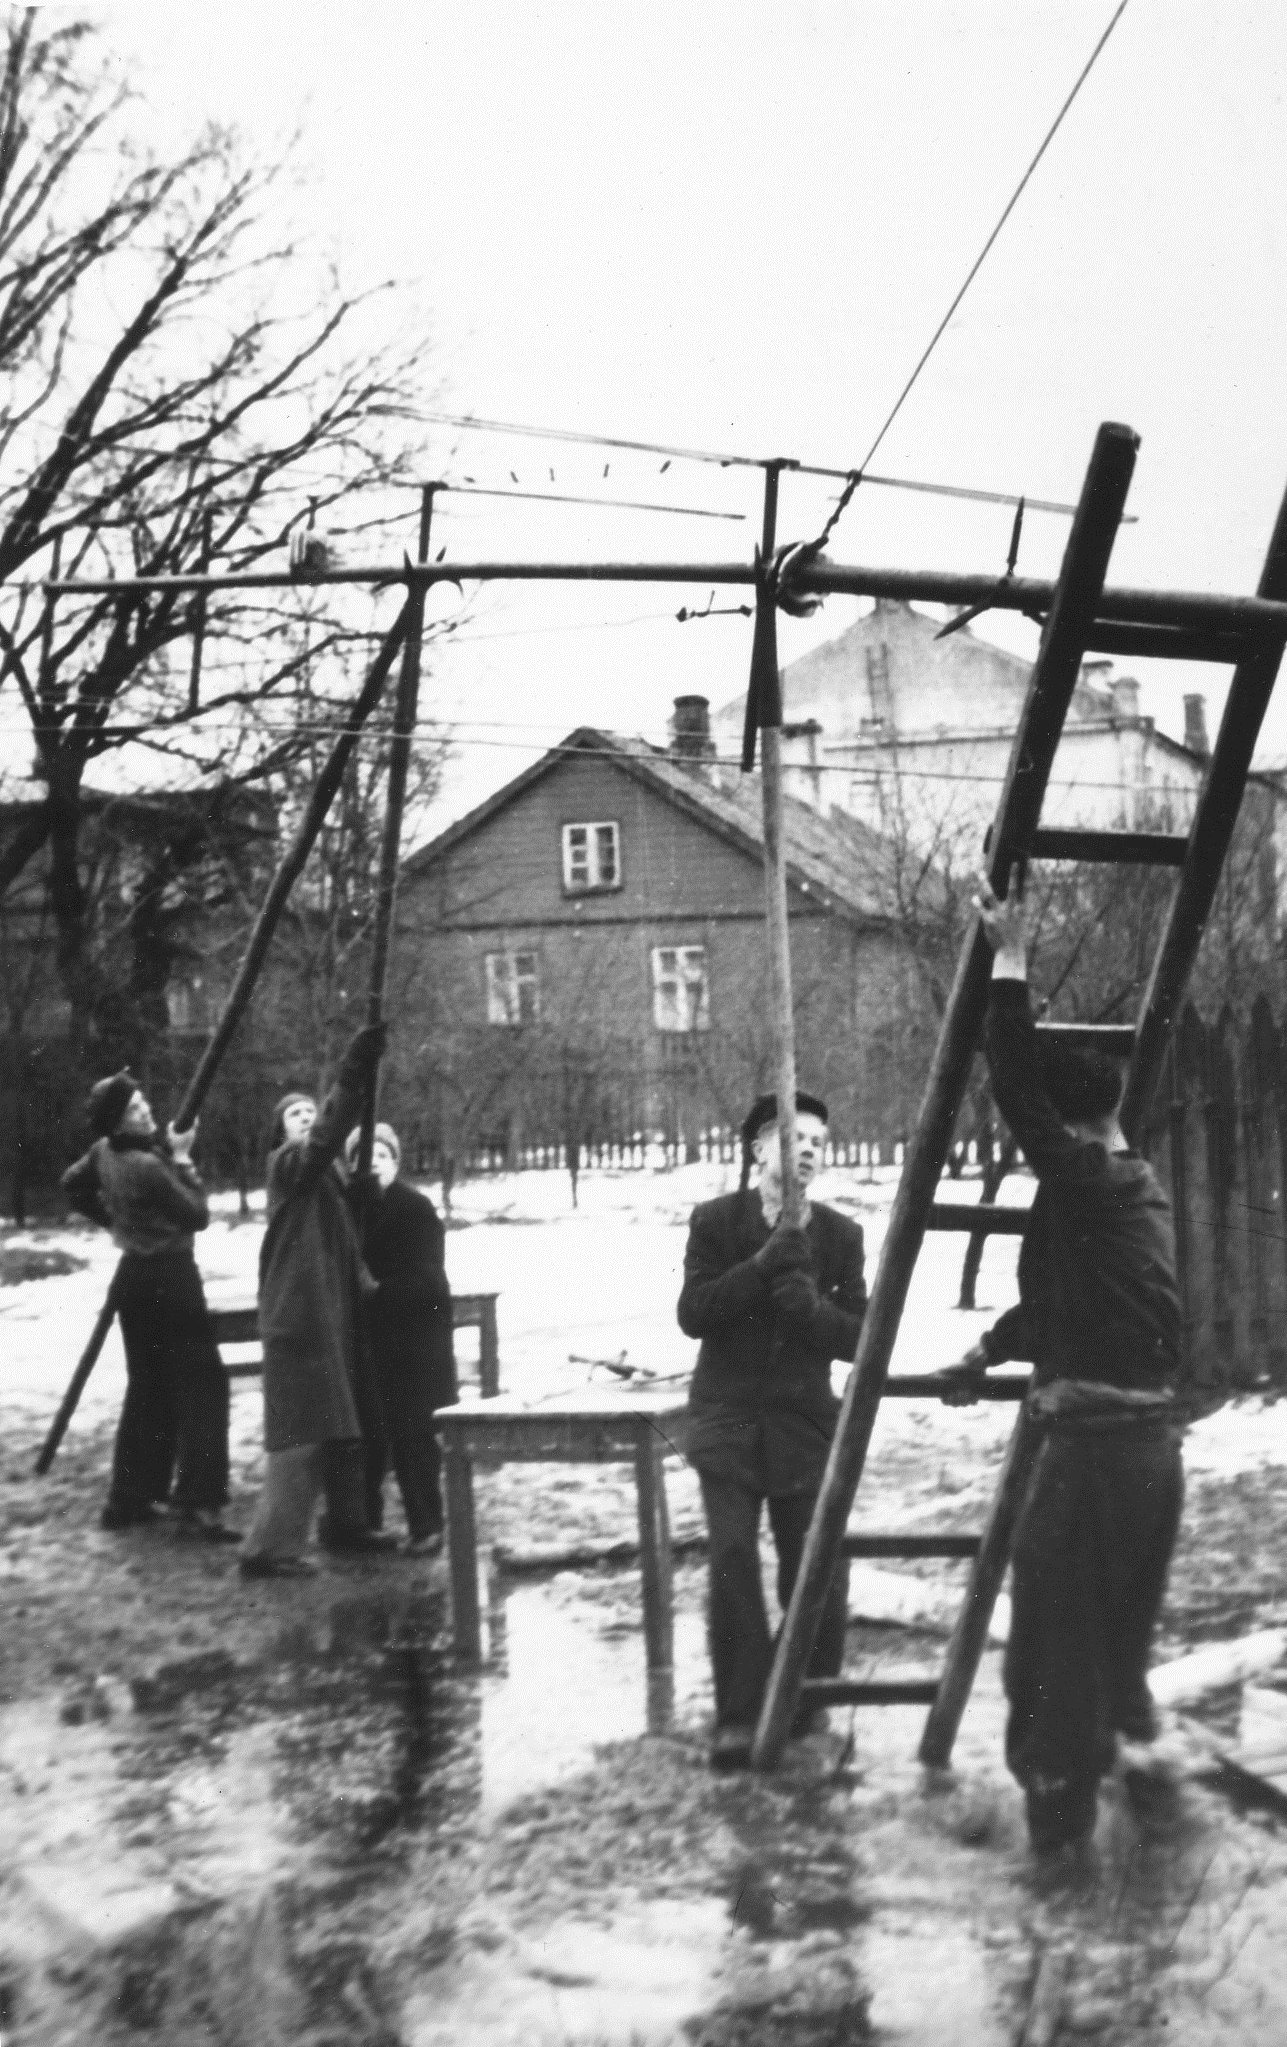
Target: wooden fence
1218, 1137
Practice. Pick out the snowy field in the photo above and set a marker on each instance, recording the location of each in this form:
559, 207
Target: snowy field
576, 1285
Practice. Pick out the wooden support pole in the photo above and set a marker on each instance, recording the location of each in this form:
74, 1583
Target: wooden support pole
247, 974
284, 880
656, 1567
764, 666
969, 1636
199, 616
1050, 689
79, 1379
462, 1551
1213, 827
404, 725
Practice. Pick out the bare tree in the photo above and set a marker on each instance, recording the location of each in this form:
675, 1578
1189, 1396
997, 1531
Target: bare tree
192, 425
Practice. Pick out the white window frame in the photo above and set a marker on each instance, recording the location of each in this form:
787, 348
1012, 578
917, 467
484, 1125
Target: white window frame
681, 989
508, 974
591, 855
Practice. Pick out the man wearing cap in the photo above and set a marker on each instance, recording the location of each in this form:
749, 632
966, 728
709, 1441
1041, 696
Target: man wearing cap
149, 1194
772, 1306
409, 1339
1099, 1316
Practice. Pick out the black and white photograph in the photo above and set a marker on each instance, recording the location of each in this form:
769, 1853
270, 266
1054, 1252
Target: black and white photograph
643, 1023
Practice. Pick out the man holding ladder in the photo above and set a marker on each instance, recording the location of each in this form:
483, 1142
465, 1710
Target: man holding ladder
1099, 1317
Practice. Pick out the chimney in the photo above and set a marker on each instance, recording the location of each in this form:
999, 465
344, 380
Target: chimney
1195, 727
1126, 696
690, 730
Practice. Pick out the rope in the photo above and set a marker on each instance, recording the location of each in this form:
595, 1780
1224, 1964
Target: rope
974, 270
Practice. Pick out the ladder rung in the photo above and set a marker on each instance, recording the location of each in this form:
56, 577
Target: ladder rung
1168, 642
987, 1216
929, 1385
875, 1691
1143, 849
1116, 1039
911, 1545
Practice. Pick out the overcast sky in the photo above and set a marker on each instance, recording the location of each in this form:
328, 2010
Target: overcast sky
735, 226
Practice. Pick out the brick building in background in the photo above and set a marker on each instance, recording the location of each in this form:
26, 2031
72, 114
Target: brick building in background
582, 958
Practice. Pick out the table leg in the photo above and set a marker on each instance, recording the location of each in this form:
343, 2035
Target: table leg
462, 1541
488, 1352
655, 1562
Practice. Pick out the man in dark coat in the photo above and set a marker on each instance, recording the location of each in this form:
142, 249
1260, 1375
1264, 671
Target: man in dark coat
772, 1307
1099, 1318
148, 1193
311, 1280
409, 1340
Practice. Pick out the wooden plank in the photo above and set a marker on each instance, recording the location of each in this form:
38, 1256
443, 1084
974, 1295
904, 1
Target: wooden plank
969, 1637
1212, 829
1118, 1040
1141, 849
1053, 679
896, 1545
847, 1691
538, 1438
988, 1218
929, 1386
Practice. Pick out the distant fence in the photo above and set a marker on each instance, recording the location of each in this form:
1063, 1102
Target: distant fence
653, 1151
1218, 1137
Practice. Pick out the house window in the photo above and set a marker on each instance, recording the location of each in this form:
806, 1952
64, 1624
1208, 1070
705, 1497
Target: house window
513, 988
591, 856
680, 993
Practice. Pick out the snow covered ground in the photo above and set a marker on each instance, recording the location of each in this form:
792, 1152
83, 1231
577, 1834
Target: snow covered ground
594, 1282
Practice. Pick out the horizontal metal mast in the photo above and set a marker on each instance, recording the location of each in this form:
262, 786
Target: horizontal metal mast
1118, 604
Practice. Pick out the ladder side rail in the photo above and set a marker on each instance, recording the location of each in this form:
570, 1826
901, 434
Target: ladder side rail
1213, 823
1050, 689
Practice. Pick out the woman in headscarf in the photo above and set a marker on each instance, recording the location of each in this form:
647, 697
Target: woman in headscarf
147, 1191
310, 1284
409, 1334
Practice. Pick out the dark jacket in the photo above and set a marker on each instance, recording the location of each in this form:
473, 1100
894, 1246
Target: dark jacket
754, 1366
1098, 1298
408, 1317
130, 1185
310, 1284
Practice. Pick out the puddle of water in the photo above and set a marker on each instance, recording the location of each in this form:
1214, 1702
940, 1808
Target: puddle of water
929, 1986
569, 1686
635, 1980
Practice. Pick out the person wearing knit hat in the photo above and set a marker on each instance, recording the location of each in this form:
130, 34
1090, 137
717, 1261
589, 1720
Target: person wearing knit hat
771, 1306
311, 1280
149, 1194
408, 1325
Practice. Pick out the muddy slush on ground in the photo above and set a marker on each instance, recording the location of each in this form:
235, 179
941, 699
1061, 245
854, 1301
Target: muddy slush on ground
283, 1813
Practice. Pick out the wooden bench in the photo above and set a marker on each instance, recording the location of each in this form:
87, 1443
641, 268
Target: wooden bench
592, 1427
238, 1328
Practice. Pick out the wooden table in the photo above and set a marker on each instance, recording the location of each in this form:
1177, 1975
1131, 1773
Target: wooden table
238, 1326
587, 1427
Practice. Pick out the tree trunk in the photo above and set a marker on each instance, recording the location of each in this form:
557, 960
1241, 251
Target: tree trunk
995, 1170
68, 900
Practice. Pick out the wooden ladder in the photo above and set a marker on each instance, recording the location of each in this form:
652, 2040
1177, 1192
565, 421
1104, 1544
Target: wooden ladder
1071, 629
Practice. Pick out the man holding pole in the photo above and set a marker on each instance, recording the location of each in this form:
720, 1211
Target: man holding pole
772, 1306
1099, 1316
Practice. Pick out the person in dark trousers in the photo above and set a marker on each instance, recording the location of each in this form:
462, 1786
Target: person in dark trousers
772, 1307
409, 1340
311, 1280
1099, 1317
149, 1194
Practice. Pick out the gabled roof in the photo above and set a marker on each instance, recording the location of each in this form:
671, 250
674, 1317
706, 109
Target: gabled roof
844, 865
